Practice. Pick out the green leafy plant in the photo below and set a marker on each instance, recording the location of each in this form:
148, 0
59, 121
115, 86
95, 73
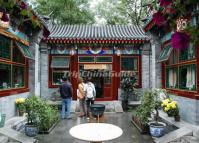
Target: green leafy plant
143, 112
32, 105
128, 86
40, 113
150, 101
47, 116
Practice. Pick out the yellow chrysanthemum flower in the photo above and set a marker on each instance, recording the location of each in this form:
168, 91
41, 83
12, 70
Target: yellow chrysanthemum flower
20, 100
166, 109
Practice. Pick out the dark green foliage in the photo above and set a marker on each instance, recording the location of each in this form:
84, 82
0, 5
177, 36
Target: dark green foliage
122, 11
143, 112
40, 113
65, 11
150, 101
128, 86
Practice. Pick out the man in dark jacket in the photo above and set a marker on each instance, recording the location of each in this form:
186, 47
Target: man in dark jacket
66, 94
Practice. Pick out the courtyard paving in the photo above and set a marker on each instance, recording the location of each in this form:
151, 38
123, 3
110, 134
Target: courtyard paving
60, 134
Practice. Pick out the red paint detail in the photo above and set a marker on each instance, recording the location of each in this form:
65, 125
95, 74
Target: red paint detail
149, 26
13, 92
186, 94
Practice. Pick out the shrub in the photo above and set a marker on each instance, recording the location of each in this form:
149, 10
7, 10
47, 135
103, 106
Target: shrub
143, 112
40, 113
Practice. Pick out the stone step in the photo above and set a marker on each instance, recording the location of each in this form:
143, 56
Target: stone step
3, 139
175, 135
20, 137
118, 107
111, 106
15, 121
134, 103
190, 139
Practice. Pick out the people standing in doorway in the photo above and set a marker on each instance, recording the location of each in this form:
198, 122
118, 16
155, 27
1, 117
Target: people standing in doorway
81, 97
90, 96
66, 93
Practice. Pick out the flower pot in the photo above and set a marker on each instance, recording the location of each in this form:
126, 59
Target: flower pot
157, 128
143, 128
125, 105
31, 130
21, 113
177, 118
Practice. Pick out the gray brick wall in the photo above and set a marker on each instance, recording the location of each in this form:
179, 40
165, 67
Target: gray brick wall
45, 91
188, 109
158, 76
146, 67
197, 112
7, 104
34, 45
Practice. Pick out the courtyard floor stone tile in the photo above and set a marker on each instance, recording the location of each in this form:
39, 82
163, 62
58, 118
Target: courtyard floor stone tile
60, 133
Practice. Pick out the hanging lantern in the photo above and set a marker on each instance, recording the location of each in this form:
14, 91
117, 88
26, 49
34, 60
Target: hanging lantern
181, 24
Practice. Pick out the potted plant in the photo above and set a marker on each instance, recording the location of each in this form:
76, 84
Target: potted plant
143, 112
171, 108
31, 106
20, 106
128, 87
156, 127
41, 116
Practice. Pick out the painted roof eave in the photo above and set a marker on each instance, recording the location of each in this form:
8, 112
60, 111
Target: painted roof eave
63, 40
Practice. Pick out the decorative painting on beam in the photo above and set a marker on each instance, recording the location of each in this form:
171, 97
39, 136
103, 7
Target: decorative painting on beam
88, 50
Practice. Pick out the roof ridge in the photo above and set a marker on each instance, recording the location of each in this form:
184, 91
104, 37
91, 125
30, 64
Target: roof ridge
98, 32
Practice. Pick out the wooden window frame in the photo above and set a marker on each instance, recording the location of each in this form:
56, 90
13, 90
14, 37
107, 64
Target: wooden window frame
139, 68
178, 64
50, 75
104, 62
25, 88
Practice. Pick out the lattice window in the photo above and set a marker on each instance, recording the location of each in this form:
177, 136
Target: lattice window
5, 47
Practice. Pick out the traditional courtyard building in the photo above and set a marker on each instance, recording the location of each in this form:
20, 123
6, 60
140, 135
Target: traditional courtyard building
89, 49
176, 53
20, 36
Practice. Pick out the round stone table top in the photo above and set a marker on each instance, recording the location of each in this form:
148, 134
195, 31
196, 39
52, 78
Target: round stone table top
95, 132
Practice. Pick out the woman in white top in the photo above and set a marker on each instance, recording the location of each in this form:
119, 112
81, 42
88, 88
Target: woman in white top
90, 95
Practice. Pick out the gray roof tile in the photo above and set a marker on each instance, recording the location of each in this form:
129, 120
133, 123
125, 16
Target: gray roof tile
92, 32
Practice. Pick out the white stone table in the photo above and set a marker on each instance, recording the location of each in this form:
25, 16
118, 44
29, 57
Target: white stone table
95, 132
